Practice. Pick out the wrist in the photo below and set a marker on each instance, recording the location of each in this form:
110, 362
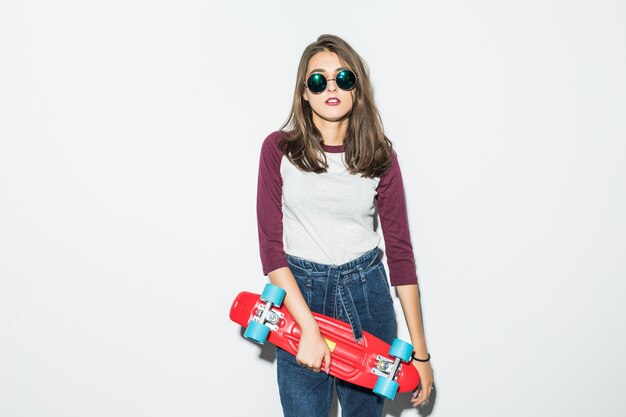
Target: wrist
425, 358
309, 325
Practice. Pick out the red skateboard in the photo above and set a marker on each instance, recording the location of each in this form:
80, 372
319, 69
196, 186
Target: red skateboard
372, 363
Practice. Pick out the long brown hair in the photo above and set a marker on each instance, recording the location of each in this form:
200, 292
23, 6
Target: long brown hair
367, 149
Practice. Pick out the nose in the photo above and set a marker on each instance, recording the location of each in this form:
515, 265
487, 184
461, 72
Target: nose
331, 86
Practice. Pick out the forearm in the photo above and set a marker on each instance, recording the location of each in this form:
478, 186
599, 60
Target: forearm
294, 301
410, 301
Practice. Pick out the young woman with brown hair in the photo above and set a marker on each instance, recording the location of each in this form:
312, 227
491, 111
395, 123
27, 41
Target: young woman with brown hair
322, 178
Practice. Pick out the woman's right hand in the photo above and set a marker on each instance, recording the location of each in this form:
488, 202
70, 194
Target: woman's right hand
313, 351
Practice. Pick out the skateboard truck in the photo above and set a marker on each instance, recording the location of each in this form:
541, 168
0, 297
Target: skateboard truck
386, 369
266, 318
266, 315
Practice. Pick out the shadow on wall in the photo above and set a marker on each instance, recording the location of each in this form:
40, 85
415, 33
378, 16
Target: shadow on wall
402, 402
395, 408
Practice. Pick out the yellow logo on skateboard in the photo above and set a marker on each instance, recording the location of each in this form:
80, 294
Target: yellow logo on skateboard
330, 344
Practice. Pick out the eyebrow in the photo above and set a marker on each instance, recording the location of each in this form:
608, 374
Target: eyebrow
313, 71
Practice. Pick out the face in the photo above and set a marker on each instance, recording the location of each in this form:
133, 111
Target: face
333, 104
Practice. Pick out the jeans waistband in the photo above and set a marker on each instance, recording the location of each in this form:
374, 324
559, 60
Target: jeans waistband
365, 260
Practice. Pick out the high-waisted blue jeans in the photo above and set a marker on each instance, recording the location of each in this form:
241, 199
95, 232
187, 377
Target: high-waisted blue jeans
356, 292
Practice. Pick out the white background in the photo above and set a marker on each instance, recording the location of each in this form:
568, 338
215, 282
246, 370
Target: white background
129, 142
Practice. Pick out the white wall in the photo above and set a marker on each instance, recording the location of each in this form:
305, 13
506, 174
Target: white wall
129, 140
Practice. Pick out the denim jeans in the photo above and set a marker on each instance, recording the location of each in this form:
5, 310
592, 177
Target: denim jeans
358, 293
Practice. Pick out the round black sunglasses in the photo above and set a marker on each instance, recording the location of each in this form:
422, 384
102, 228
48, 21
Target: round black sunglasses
345, 79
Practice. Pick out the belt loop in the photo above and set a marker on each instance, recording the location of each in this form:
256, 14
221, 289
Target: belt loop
309, 288
330, 294
361, 273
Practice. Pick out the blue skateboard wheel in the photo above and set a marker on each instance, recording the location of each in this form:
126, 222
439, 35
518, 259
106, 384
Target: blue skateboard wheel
386, 388
256, 332
401, 349
273, 294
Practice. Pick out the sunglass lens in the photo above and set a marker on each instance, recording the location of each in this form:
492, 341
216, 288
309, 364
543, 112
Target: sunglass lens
316, 83
346, 79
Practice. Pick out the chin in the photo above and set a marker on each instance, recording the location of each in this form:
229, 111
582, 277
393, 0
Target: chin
337, 116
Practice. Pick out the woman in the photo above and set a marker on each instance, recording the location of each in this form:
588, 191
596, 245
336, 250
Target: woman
320, 183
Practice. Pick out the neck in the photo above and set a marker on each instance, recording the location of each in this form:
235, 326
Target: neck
333, 133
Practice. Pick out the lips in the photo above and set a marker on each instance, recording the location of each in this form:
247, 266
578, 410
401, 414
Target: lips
333, 101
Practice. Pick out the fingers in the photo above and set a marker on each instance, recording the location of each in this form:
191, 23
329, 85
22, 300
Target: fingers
303, 365
314, 360
422, 394
327, 361
311, 365
316, 366
312, 368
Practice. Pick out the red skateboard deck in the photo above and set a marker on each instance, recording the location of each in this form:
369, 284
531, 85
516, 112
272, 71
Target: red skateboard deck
361, 364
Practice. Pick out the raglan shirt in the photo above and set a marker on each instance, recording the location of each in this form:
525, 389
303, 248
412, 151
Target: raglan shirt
328, 218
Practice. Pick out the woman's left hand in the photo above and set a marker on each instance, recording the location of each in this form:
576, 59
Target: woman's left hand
422, 393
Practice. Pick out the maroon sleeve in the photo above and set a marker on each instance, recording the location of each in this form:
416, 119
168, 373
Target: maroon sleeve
395, 225
269, 205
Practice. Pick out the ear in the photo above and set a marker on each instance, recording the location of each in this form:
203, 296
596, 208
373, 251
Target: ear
305, 94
